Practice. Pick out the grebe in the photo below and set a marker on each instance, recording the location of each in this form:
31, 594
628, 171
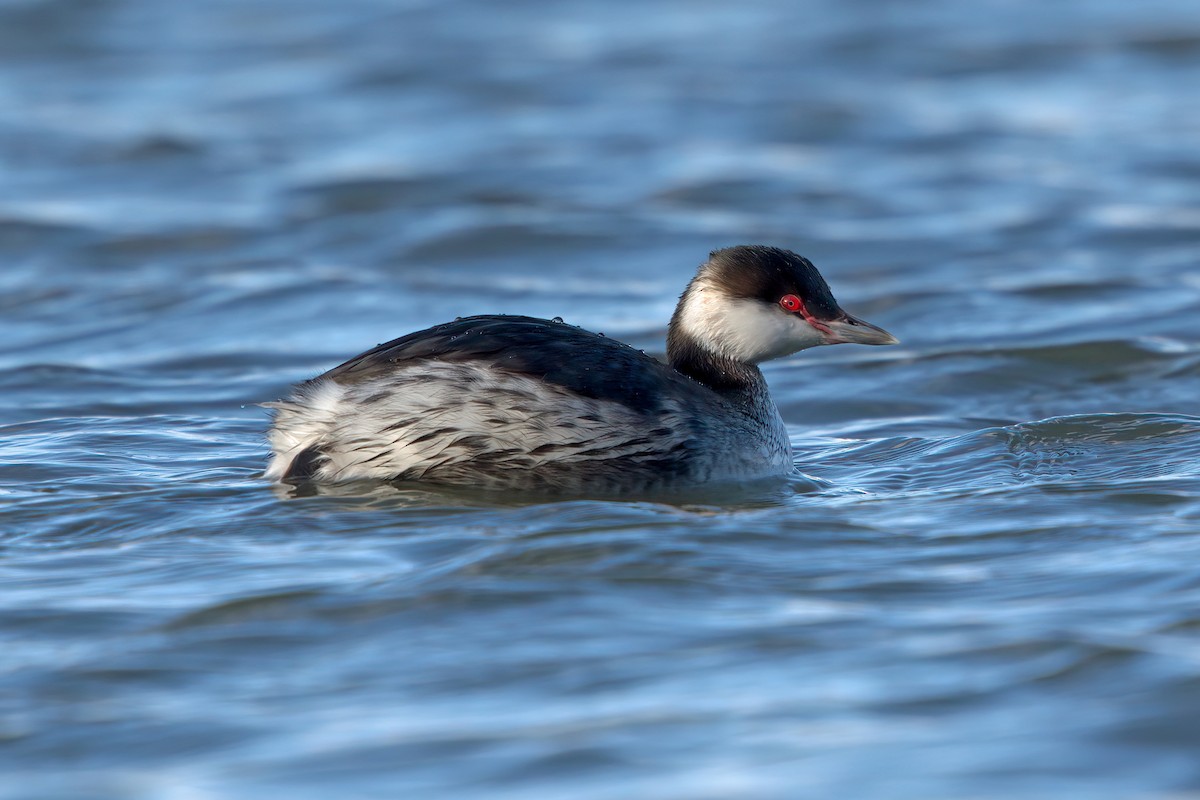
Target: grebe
510, 402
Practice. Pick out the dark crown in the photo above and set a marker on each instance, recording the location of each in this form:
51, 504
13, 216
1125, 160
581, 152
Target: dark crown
767, 274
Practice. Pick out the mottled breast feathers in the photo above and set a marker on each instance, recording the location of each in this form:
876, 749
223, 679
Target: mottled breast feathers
502, 402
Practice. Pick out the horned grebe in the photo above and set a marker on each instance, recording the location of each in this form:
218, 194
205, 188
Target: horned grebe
509, 402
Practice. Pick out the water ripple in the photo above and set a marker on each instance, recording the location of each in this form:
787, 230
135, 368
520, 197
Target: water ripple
979, 584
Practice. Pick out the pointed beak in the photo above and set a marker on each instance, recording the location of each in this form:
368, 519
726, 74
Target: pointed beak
852, 330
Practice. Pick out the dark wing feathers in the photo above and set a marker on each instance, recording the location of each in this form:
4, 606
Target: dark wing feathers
583, 362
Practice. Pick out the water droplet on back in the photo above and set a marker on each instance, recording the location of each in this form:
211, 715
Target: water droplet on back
557, 320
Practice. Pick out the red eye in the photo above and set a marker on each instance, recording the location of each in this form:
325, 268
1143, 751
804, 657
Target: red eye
790, 302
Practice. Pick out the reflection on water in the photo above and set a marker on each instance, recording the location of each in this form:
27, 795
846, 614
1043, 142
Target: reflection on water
978, 586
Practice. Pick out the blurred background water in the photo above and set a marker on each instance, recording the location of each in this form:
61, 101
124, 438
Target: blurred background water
985, 586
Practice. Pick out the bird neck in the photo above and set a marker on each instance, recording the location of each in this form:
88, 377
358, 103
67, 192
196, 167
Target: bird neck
720, 373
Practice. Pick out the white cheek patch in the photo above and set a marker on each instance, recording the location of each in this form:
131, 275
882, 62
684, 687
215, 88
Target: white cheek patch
745, 330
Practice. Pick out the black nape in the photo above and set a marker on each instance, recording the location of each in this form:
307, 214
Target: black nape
718, 373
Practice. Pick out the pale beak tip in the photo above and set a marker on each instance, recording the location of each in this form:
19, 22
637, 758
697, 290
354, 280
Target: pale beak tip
852, 330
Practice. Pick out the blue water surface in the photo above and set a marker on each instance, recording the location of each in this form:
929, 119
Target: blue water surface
984, 583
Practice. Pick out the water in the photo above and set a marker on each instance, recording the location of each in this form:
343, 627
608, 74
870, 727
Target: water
983, 585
